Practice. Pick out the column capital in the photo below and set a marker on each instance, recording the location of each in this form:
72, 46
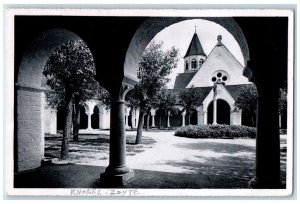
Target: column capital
119, 92
153, 112
88, 113
183, 113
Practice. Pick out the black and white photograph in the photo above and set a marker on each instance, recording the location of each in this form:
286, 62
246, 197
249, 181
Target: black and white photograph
149, 102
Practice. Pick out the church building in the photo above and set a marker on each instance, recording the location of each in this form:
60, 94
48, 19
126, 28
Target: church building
219, 79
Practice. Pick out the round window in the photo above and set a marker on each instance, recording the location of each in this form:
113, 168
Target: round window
219, 74
224, 78
214, 79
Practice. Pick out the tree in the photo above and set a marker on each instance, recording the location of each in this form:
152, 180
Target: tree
246, 101
190, 99
69, 73
166, 101
154, 68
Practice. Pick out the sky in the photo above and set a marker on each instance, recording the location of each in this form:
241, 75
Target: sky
180, 36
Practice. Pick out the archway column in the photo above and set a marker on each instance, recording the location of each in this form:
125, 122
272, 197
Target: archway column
267, 142
89, 120
215, 112
236, 117
127, 111
183, 118
201, 116
168, 118
152, 111
117, 172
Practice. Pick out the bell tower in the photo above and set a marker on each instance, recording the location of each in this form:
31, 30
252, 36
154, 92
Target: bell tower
195, 56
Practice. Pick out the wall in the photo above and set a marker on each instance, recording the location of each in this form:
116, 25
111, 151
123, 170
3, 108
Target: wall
30, 140
219, 59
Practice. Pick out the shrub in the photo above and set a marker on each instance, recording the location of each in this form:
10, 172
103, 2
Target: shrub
216, 131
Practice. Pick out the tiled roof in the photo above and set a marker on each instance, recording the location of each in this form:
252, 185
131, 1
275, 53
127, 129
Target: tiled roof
234, 91
195, 47
183, 79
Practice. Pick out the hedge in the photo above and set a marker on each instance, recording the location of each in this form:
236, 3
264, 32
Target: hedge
216, 131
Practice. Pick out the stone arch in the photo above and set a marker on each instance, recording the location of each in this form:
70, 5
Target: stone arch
224, 96
37, 53
223, 117
151, 26
86, 107
29, 117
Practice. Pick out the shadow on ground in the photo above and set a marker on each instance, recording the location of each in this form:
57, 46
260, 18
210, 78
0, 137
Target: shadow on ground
92, 147
81, 176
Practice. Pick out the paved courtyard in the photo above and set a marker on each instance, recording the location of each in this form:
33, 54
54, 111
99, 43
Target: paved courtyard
162, 161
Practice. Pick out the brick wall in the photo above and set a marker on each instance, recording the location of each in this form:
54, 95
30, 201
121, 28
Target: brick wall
30, 133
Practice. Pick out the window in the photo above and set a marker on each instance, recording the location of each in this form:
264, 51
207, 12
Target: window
194, 64
201, 62
220, 77
186, 65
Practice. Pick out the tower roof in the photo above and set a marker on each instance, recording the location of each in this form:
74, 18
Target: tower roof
195, 47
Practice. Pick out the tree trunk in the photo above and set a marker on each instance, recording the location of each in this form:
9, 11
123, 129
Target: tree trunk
67, 129
76, 119
147, 122
189, 119
139, 131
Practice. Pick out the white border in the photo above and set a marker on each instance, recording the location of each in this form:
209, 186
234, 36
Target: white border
9, 77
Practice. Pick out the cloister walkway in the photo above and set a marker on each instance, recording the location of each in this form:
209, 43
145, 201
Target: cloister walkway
163, 161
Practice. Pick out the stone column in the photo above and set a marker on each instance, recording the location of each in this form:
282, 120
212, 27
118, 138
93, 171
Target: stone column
215, 112
100, 119
183, 118
236, 117
127, 110
89, 120
153, 121
53, 122
168, 119
267, 142
204, 117
117, 173
152, 111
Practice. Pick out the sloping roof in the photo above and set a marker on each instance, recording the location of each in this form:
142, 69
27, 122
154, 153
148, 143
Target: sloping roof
195, 47
203, 92
234, 91
183, 79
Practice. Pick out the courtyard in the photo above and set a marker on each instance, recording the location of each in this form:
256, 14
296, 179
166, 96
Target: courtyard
161, 161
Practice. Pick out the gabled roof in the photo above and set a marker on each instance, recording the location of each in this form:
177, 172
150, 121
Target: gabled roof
203, 92
195, 47
183, 79
233, 90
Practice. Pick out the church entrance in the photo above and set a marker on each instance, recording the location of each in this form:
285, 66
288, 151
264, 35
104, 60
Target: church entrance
223, 112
